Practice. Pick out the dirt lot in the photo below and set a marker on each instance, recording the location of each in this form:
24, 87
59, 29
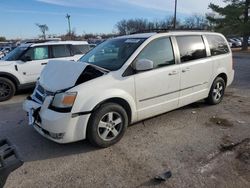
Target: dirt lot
203, 146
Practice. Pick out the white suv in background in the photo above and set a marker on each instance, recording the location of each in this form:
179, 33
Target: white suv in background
126, 80
22, 67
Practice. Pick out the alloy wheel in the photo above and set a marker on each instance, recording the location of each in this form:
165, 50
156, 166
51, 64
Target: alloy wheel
218, 91
110, 126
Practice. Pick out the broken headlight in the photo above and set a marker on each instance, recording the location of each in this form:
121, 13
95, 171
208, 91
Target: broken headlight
63, 102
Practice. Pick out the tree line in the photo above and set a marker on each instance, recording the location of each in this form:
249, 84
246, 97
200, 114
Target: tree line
129, 26
231, 20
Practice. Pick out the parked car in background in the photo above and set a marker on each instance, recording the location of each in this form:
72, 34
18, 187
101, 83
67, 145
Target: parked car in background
230, 44
22, 67
125, 80
240, 39
4, 51
235, 42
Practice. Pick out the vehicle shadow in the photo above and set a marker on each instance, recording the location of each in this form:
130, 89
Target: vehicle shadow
30, 145
25, 91
33, 147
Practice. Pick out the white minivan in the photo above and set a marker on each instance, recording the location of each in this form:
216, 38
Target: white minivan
125, 80
22, 67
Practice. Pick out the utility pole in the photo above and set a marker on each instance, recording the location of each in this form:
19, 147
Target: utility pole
175, 14
68, 17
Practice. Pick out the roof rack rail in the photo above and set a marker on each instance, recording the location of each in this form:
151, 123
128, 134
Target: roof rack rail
35, 41
165, 30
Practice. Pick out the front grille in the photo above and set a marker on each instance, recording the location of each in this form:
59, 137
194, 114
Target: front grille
40, 94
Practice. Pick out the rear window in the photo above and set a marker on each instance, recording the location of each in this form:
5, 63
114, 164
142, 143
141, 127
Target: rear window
217, 45
191, 48
60, 51
80, 49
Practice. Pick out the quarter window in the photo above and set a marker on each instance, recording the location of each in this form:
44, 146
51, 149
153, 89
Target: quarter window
80, 49
217, 45
159, 51
191, 48
38, 53
60, 51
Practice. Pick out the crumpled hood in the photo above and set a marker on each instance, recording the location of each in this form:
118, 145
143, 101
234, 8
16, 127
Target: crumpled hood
59, 75
6, 63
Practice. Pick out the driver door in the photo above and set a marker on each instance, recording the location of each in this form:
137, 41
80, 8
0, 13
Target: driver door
157, 90
35, 60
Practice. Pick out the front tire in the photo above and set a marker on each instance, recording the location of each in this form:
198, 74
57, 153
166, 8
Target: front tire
7, 89
107, 125
217, 91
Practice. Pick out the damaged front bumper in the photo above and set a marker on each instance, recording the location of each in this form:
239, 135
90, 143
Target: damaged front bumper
56, 126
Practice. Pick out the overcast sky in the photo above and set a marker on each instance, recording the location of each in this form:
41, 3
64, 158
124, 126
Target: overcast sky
18, 17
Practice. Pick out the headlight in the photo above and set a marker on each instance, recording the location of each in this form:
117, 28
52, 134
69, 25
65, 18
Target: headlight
63, 102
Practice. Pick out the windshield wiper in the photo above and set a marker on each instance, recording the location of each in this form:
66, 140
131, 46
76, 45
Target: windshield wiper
99, 68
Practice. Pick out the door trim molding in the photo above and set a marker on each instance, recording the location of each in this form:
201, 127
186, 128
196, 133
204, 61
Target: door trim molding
150, 98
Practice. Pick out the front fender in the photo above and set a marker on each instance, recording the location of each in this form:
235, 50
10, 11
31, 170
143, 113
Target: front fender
88, 103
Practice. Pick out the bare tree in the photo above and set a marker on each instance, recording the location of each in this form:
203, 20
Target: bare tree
196, 21
2, 38
139, 25
43, 28
132, 25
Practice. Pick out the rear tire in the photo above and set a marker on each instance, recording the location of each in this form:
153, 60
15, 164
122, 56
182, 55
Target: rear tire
107, 125
217, 91
7, 89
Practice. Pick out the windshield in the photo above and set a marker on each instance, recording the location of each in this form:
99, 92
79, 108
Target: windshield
112, 54
15, 54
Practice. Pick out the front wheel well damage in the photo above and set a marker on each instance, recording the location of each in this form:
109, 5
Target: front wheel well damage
123, 103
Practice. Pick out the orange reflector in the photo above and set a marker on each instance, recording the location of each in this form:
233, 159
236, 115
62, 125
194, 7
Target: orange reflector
69, 100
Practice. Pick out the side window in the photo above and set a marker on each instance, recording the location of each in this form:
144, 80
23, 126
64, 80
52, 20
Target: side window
80, 49
159, 51
60, 51
217, 45
38, 53
191, 48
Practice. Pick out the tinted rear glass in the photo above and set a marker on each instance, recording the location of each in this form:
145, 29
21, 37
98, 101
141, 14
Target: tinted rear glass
81, 49
191, 48
60, 51
217, 45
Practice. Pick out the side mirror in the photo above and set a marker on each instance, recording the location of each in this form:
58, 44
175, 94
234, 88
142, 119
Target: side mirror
144, 65
26, 58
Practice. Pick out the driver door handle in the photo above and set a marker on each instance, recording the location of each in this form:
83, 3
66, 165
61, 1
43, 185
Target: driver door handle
173, 73
186, 70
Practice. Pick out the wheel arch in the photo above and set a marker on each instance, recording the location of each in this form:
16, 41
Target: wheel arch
120, 101
223, 76
11, 78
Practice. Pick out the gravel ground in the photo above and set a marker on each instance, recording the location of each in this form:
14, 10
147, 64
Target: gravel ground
203, 146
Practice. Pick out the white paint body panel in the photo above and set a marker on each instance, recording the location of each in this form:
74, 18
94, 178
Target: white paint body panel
28, 72
148, 93
154, 91
51, 79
